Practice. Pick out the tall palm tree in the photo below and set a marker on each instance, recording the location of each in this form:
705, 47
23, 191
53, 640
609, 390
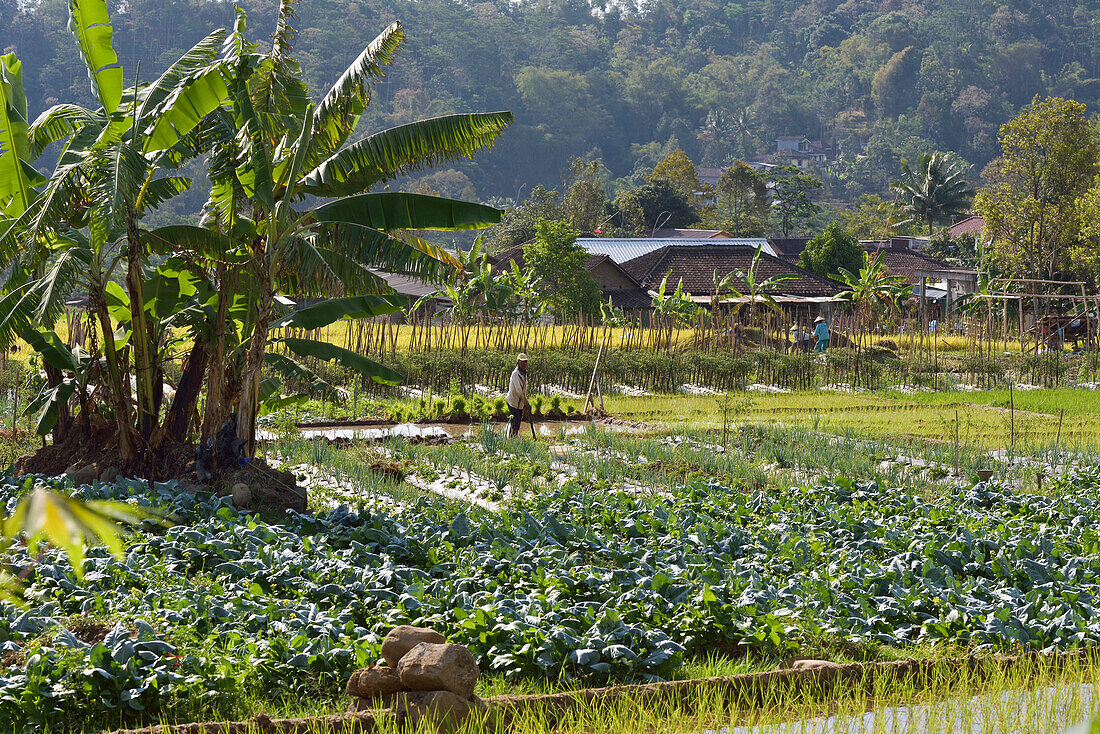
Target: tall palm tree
935, 191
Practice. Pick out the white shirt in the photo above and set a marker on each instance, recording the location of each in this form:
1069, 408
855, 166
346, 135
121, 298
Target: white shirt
517, 389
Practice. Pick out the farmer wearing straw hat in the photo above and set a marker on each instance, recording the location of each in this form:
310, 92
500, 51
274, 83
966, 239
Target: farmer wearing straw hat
821, 331
517, 395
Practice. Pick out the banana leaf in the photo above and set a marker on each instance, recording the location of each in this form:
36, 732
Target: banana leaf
350, 360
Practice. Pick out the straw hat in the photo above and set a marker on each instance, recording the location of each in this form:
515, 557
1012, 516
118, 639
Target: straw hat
819, 318
521, 358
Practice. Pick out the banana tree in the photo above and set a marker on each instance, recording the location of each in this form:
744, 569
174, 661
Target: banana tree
872, 289
287, 149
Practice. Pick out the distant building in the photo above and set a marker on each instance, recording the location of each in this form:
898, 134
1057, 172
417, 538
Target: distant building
668, 233
621, 249
709, 176
789, 248
913, 244
801, 151
974, 224
615, 283
696, 265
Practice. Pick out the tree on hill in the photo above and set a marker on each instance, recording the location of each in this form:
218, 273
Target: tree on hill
558, 261
829, 252
742, 205
933, 192
792, 189
1048, 163
652, 206
677, 169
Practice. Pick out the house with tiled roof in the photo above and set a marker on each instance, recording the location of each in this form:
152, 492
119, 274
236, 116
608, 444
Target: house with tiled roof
789, 248
615, 283
937, 279
696, 266
670, 233
974, 224
621, 249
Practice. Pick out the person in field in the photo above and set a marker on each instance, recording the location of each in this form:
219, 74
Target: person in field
821, 331
517, 395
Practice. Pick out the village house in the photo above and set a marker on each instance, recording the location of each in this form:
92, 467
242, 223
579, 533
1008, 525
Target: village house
615, 283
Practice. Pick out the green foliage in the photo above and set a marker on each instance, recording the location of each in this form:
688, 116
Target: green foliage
743, 206
654, 205
935, 191
558, 261
1030, 204
833, 249
719, 82
792, 190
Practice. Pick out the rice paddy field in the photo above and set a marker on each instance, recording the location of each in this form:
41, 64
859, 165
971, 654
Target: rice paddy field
697, 536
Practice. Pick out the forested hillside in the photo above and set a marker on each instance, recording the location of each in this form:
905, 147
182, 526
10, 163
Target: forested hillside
879, 81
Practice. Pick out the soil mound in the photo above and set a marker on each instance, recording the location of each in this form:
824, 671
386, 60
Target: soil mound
91, 453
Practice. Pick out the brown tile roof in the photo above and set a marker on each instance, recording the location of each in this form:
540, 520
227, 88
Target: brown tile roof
789, 248
634, 298
971, 225
906, 263
696, 266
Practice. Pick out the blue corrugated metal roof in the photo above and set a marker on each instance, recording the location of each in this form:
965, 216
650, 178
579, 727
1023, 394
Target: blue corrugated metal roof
623, 249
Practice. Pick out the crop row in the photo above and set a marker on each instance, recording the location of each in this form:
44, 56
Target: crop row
568, 582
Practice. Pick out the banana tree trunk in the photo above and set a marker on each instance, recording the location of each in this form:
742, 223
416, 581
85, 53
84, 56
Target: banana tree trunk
214, 412
141, 338
177, 424
64, 417
250, 383
120, 392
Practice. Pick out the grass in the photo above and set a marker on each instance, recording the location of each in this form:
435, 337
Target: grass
985, 419
1037, 696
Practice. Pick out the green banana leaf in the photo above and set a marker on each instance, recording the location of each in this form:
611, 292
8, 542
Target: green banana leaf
14, 141
355, 307
290, 369
332, 353
402, 150
91, 24
391, 211
176, 238
194, 98
54, 351
48, 406
337, 115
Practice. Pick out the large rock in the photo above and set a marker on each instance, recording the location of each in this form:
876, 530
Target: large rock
403, 638
439, 666
444, 709
374, 682
82, 475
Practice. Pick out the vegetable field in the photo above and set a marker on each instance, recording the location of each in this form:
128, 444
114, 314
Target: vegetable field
579, 581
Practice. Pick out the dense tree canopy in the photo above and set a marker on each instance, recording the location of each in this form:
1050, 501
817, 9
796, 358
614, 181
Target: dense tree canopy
628, 82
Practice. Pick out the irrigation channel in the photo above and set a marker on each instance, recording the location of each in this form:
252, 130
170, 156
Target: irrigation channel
424, 431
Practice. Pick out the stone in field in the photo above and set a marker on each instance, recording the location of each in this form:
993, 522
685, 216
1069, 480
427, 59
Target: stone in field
815, 665
374, 682
443, 709
439, 666
405, 637
82, 475
242, 495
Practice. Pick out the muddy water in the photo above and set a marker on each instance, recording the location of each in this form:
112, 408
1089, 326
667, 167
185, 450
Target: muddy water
545, 429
